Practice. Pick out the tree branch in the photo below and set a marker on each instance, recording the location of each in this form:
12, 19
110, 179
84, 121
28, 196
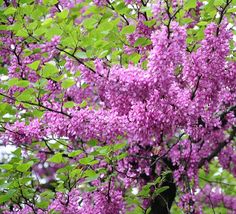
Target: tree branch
218, 149
37, 104
222, 13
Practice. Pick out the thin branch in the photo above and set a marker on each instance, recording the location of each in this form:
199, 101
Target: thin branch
108, 191
78, 60
222, 13
36, 104
157, 159
170, 17
122, 15
218, 149
216, 182
196, 88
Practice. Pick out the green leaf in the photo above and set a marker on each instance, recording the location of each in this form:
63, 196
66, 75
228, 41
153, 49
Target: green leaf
135, 57
3, 70
6, 197
47, 194
92, 142
103, 150
17, 152
145, 190
12, 82
9, 11
81, 55
54, 30
149, 210
76, 172
22, 33
103, 53
91, 175
190, 4
136, 210
34, 65
23, 83
84, 85
218, 3
43, 204
83, 104
57, 158
119, 146
25, 180
89, 23
150, 23
6, 166
121, 156
37, 50
157, 181
69, 104
210, 6
160, 190
202, 23
86, 160
47, 22
75, 153
142, 41
67, 83
63, 14
50, 2
49, 70
25, 166
77, 74
231, 10
26, 95
128, 29
37, 113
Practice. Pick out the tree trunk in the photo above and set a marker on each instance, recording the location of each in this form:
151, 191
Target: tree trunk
163, 202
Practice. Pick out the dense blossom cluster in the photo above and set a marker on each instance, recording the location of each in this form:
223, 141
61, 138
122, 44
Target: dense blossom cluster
177, 113
215, 197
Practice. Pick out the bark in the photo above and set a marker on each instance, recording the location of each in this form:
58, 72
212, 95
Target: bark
163, 202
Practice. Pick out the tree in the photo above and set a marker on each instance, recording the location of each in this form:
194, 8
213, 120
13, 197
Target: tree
118, 106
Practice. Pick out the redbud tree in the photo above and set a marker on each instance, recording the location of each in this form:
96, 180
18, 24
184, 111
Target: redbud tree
117, 106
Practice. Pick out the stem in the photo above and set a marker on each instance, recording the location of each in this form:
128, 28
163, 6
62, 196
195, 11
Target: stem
163, 202
122, 15
218, 149
37, 104
196, 87
222, 13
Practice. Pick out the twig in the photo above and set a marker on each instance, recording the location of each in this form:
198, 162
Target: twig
222, 13
37, 104
218, 149
196, 88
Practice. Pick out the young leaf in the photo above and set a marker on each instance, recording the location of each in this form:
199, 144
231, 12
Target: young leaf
75, 153
57, 158
34, 65
25, 166
142, 41
86, 160
83, 104
69, 104
67, 83
128, 29
49, 70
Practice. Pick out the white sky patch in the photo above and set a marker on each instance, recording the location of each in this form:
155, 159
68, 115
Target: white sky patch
5, 152
220, 170
135, 191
